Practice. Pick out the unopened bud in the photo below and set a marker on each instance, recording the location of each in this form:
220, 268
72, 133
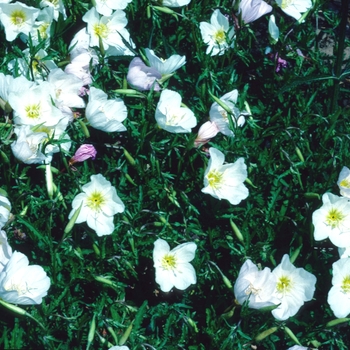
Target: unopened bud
265, 334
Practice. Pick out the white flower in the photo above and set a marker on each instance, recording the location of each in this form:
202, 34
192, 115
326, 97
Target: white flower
294, 8
273, 29
217, 34
167, 66
344, 182
251, 10
23, 284
172, 266
103, 114
339, 295
333, 220
17, 18
255, 285
298, 347
5, 249
28, 146
106, 7
119, 348
225, 181
43, 26
344, 252
5, 208
100, 204
57, 6
175, 3
220, 116
294, 286
170, 116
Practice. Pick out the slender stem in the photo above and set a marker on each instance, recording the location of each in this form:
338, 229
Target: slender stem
340, 52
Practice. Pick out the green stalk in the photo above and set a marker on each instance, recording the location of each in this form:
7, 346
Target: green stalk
340, 53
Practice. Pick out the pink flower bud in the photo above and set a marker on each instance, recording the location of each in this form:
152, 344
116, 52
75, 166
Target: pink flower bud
207, 131
83, 152
142, 77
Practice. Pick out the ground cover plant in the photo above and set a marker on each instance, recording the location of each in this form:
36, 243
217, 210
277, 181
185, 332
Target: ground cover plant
174, 174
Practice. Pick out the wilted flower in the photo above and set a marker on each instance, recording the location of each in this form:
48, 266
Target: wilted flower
344, 182
207, 131
173, 268
255, 286
100, 204
251, 10
294, 286
217, 34
167, 66
294, 8
225, 181
84, 152
220, 116
104, 114
339, 295
17, 18
170, 116
5, 207
142, 77
23, 284
333, 220
5, 249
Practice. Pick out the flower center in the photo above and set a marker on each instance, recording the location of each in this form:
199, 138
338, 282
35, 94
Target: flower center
334, 218
215, 179
17, 18
346, 285
101, 30
286, 3
220, 36
95, 201
19, 286
169, 262
252, 290
345, 183
284, 285
33, 111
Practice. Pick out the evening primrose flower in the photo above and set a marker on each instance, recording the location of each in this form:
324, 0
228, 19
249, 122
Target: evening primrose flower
339, 295
106, 7
217, 34
17, 18
344, 182
57, 6
251, 10
207, 131
165, 66
273, 29
220, 116
5, 250
104, 114
175, 3
173, 268
5, 208
225, 181
294, 286
170, 116
294, 8
23, 284
100, 203
333, 220
255, 286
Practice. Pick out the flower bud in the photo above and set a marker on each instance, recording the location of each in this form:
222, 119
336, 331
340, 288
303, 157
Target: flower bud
84, 152
207, 131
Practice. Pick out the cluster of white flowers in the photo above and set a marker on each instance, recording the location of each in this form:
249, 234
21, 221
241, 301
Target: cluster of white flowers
286, 286
20, 283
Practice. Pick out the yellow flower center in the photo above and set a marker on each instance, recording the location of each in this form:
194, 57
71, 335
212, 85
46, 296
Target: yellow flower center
346, 285
19, 286
95, 201
169, 262
284, 285
334, 218
286, 3
100, 30
345, 183
33, 111
17, 18
215, 179
220, 36
42, 30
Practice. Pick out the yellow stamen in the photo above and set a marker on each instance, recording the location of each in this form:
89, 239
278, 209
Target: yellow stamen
334, 218
95, 201
346, 285
169, 262
284, 284
18, 17
215, 179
